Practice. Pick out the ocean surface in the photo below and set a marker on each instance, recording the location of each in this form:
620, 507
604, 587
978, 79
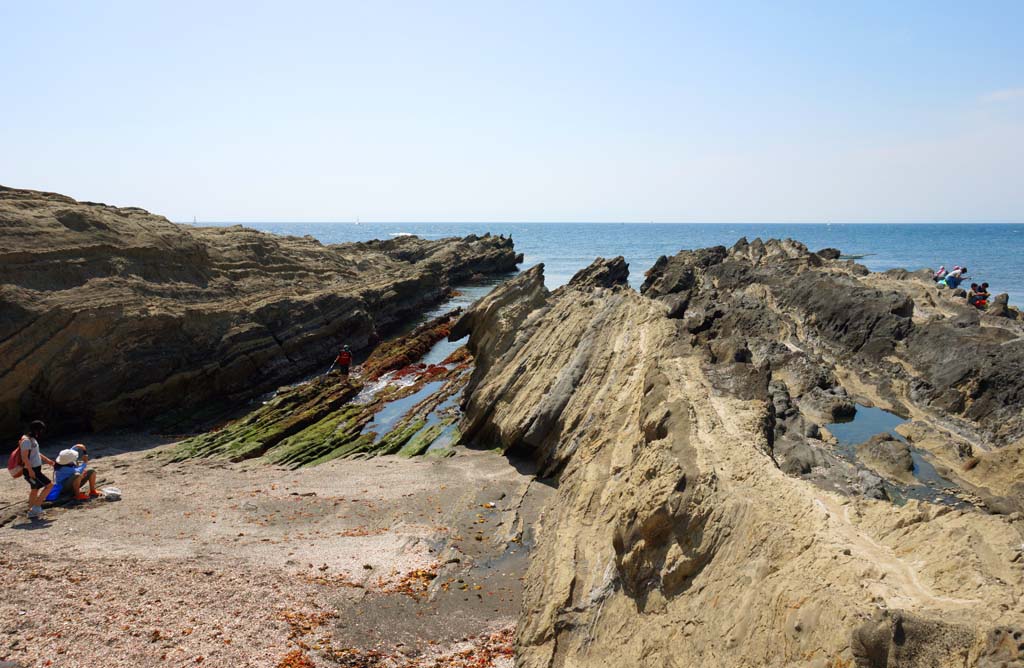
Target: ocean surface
992, 253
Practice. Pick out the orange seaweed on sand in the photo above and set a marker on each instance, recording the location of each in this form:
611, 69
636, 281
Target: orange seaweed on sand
414, 583
296, 659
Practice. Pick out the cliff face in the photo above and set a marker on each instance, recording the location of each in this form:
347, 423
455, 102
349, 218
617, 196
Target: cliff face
704, 515
110, 316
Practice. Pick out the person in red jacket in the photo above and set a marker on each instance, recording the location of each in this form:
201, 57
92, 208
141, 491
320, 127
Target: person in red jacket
344, 360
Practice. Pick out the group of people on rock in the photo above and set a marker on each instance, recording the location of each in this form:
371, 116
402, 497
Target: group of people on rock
71, 472
978, 296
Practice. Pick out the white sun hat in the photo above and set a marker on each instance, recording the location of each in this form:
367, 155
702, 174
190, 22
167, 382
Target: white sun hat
67, 457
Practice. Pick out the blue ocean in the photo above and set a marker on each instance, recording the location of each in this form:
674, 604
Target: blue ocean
992, 253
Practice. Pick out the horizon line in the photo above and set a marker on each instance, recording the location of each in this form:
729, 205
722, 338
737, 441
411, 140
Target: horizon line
591, 222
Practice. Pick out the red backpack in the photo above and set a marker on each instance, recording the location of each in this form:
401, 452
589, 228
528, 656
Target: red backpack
14, 466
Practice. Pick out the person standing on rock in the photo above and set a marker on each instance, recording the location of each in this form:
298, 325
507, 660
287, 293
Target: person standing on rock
32, 460
344, 360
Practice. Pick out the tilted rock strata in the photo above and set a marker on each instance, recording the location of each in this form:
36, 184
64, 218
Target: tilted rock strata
323, 419
676, 539
110, 316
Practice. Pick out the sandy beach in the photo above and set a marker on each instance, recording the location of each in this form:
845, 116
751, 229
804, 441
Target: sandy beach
382, 562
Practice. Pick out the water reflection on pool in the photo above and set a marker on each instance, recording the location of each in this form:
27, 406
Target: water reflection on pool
869, 421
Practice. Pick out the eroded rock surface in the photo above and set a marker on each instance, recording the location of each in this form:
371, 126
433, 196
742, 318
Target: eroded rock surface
703, 515
110, 316
888, 456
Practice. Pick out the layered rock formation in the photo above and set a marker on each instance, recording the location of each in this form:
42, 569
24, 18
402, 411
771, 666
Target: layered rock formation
110, 316
332, 416
704, 514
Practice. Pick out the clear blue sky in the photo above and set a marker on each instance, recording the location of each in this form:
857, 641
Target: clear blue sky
447, 111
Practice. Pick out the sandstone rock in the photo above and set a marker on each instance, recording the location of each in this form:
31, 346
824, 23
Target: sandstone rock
829, 253
999, 307
112, 316
889, 457
498, 319
696, 521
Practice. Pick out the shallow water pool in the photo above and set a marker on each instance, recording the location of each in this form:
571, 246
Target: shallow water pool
869, 421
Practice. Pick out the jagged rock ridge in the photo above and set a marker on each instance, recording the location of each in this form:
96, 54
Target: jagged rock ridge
704, 515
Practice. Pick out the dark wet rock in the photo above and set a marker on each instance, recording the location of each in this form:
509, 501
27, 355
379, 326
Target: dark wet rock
796, 456
973, 372
905, 275
731, 350
967, 317
887, 456
782, 402
602, 273
861, 320
871, 485
831, 405
829, 253
901, 639
678, 274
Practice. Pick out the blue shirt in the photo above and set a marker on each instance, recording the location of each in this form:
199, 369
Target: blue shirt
61, 473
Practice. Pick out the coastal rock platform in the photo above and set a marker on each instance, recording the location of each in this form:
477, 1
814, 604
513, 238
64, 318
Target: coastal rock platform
706, 516
111, 317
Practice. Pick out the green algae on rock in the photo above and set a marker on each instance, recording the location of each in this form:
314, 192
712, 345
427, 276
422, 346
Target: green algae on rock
333, 416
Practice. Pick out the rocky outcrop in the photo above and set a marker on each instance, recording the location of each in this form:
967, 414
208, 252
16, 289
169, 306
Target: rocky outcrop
888, 456
334, 416
602, 274
113, 316
702, 516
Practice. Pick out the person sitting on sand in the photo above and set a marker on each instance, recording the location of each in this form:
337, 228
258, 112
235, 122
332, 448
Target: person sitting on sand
32, 459
70, 472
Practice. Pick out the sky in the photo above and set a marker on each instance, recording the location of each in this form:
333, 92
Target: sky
519, 111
